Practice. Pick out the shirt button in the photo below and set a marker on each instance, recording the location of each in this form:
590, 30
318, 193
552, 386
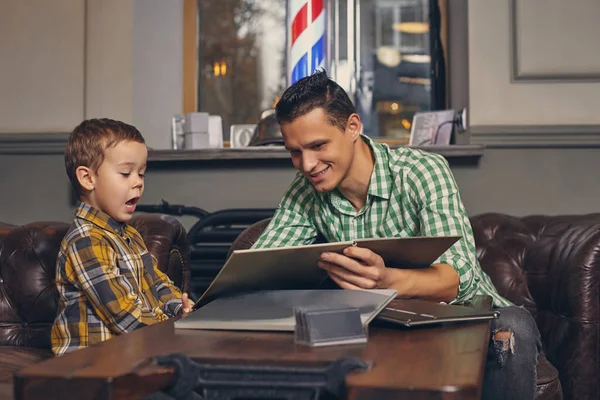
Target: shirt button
476, 279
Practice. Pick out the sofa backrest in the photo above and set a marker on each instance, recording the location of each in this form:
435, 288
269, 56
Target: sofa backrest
28, 295
551, 265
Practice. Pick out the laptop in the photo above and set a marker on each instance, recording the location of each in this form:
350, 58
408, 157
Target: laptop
414, 312
273, 310
295, 267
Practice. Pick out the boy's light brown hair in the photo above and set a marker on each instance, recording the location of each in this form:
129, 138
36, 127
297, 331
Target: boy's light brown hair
88, 141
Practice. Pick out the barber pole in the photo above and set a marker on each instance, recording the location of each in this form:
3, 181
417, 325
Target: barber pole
306, 37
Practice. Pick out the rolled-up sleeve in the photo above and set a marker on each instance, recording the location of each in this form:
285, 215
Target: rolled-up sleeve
291, 224
442, 213
168, 294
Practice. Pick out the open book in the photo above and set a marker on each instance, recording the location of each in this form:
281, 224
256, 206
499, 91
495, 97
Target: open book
273, 310
289, 268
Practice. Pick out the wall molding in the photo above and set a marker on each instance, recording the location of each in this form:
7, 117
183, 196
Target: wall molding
536, 136
33, 143
492, 136
518, 76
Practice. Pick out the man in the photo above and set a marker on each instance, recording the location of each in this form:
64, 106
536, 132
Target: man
350, 187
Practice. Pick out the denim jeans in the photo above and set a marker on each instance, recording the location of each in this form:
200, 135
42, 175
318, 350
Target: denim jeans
510, 370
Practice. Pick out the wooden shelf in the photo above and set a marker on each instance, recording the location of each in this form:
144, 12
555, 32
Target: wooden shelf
278, 152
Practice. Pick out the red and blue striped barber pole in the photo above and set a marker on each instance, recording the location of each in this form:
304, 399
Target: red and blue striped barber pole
306, 37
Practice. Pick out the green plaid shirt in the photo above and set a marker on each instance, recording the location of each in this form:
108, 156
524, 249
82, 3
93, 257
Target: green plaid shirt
411, 193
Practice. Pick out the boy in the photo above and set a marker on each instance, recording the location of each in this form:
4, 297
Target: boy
350, 186
107, 280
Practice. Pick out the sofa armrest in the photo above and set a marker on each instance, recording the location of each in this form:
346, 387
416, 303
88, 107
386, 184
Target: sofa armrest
551, 265
565, 282
166, 239
28, 294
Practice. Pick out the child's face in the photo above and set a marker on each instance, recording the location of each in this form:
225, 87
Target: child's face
119, 182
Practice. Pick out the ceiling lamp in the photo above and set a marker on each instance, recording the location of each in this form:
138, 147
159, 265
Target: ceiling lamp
411, 27
388, 56
417, 58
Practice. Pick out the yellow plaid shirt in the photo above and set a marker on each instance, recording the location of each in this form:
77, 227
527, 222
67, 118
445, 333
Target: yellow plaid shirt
108, 283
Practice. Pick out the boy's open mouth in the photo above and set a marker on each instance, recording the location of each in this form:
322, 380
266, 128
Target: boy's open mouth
131, 203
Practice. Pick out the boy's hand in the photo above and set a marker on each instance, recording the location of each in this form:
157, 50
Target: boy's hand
187, 305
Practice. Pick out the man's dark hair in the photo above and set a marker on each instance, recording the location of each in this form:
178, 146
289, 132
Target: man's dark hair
315, 91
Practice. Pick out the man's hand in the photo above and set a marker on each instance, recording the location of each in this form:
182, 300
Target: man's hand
360, 268
357, 268
187, 305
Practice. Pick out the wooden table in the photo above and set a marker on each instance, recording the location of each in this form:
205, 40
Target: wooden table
445, 362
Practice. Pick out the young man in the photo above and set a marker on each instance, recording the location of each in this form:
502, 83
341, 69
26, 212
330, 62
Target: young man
350, 186
107, 280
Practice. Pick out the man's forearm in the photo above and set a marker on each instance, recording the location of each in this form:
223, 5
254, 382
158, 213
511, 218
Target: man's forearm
438, 282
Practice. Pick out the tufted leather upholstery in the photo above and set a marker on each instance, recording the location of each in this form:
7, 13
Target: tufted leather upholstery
28, 296
551, 266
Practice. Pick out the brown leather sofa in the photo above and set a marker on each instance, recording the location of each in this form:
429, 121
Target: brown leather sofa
551, 266
28, 297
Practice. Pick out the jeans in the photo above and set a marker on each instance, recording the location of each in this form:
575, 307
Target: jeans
510, 370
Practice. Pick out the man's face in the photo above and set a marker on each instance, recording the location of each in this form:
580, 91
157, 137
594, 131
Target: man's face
320, 150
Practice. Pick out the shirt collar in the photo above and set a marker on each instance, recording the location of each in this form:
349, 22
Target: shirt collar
99, 218
381, 179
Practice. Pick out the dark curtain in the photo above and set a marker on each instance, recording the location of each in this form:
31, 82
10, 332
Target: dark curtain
438, 65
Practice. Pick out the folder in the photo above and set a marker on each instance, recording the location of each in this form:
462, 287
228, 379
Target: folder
273, 310
295, 267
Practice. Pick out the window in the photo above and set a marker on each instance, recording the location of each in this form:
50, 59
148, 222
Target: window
402, 25
243, 59
395, 75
